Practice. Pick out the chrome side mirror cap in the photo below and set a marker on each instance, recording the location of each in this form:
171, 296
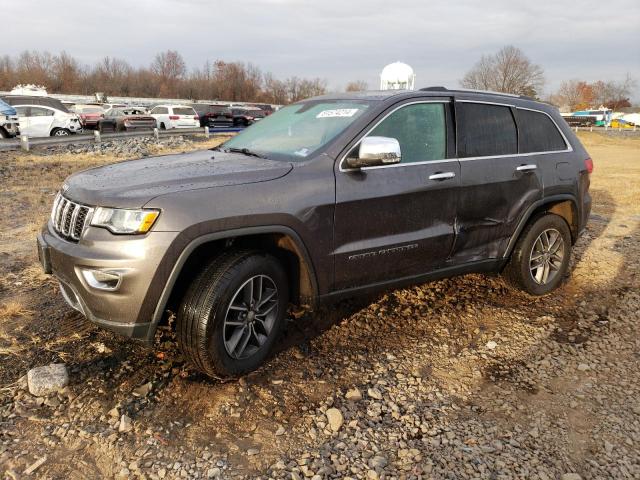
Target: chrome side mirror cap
376, 151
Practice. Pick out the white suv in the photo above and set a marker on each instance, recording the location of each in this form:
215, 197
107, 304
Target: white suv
175, 116
45, 121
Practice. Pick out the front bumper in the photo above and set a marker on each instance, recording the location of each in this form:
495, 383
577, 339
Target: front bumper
136, 256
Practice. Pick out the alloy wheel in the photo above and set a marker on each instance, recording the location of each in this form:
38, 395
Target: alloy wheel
547, 255
250, 317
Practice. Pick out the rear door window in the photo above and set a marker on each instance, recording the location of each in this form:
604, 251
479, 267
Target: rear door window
41, 112
485, 130
420, 130
538, 133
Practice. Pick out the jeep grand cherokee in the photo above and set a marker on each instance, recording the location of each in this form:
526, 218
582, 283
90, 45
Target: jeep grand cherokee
327, 198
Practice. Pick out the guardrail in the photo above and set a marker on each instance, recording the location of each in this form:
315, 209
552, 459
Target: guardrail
26, 143
605, 129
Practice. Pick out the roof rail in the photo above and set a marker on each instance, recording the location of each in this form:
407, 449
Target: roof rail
471, 90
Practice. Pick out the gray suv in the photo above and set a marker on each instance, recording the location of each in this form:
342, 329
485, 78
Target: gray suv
327, 198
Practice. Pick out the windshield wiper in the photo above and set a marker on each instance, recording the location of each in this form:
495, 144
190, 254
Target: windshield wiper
244, 151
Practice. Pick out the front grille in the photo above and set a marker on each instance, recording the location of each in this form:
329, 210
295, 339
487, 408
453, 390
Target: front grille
69, 218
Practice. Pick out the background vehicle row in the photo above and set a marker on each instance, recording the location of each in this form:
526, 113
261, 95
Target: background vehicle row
39, 116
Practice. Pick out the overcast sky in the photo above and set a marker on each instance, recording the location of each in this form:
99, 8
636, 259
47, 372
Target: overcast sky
340, 40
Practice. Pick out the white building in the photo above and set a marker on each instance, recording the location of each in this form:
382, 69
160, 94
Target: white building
397, 76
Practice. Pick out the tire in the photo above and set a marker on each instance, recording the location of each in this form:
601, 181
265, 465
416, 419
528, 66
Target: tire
60, 132
213, 322
162, 126
540, 259
3, 134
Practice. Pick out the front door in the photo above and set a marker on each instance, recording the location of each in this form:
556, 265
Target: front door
397, 221
23, 118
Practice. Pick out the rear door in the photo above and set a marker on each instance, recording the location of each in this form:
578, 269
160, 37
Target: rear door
41, 121
497, 184
397, 221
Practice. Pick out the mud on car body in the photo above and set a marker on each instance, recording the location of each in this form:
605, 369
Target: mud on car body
327, 198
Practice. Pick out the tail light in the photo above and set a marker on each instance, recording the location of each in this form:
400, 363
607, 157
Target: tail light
588, 164
196, 117
228, 115
174, 117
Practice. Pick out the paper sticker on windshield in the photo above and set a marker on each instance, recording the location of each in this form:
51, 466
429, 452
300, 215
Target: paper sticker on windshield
338, 112
303, 152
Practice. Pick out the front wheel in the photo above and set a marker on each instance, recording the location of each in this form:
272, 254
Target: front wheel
233, 313
540, 259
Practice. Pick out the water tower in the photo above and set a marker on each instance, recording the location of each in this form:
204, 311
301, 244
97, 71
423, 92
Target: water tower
397, 76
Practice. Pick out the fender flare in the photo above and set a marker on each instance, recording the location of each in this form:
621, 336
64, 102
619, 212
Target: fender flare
529, 212
221, 235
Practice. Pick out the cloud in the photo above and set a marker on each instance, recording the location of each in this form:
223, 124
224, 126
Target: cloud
340, 40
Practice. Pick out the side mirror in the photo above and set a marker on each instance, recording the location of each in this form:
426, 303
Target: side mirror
376, 151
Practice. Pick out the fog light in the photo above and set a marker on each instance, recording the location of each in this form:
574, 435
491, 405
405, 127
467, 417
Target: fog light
103, 279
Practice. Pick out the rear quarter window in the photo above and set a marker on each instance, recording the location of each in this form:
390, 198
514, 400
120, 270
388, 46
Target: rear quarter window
538, 133
485, 130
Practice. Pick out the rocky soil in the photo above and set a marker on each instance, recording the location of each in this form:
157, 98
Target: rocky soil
131, 147
461, 378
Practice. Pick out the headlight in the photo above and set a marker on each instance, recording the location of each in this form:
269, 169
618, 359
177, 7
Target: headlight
119, 220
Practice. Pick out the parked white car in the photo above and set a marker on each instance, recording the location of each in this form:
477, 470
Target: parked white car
42, 117
175, 116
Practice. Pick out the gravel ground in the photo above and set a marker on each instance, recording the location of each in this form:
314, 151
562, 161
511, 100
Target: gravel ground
132, 147
461, 378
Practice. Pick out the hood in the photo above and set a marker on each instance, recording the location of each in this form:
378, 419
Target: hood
133, 183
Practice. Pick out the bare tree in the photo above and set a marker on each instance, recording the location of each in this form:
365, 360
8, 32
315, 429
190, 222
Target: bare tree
614, 94
34, 68
580, 95
575, 94
170, 68
169, 64
167, 76
7, 81
509, 71
68, 74
357, 86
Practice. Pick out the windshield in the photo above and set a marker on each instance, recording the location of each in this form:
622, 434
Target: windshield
297, 131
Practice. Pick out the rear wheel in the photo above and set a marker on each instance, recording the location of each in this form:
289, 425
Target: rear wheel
60, 132
540, 259
233, 312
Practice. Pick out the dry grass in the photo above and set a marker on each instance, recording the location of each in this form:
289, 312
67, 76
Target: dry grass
13, 309
620, 161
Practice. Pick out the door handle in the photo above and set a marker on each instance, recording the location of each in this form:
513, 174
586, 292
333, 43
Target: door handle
442, 176
526, 168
